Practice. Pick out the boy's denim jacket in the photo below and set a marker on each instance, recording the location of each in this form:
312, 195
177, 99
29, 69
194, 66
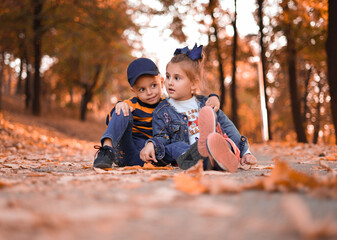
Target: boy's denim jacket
170, 126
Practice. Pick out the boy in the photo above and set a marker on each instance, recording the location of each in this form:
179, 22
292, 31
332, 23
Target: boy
127, 133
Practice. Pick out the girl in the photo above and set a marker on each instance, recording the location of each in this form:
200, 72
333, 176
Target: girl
182, 118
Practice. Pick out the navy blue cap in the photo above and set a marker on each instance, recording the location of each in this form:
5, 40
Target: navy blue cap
139, 67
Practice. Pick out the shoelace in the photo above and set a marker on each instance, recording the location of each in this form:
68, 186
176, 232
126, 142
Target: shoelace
100, 148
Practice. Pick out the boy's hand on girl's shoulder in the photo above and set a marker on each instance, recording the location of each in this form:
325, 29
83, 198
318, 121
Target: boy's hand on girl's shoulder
213, 102
248, 159
124, 107
148, 154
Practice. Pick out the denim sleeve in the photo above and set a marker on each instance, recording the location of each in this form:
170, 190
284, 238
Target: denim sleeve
160, 136
214, 95
232, 132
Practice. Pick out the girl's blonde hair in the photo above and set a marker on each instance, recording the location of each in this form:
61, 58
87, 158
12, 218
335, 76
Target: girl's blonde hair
194, 69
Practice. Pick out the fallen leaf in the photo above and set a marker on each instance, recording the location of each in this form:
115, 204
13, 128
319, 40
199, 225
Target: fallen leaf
11, 165
262, 167
217, 211
99, 170
149, 166
196, 171
324, 165
36, 175
158, 177
216, 186
331, 158
303, 222
284, 178
189, 184
132, 167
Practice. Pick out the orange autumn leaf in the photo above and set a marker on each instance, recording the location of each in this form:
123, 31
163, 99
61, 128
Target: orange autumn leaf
158, 177
189, 184
149, 166
2, 184
331, 158
190, 180
132, 167
324, 165
216, 186
283, 177
196, 170
303, 222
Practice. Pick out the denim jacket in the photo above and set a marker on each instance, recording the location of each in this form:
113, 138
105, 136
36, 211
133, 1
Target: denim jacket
170, 126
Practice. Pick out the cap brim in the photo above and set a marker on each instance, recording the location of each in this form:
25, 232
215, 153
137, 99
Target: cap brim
153, 73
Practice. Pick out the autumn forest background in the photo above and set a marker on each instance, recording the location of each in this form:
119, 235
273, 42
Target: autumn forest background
73, 55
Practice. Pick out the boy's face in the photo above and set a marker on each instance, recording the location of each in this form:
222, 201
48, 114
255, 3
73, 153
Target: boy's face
148, 89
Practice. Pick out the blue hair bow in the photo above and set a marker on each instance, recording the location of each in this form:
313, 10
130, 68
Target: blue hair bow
194, 54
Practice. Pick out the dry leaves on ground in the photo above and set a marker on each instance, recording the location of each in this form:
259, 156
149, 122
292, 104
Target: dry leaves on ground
302, 221
282, 178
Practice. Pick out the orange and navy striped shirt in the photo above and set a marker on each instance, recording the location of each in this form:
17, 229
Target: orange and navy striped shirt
142, 117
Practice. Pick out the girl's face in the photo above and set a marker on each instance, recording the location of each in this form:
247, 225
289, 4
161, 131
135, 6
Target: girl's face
177, 84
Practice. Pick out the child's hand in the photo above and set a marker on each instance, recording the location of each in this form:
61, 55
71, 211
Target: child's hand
124, 107
213, 102
248, 159
147, 153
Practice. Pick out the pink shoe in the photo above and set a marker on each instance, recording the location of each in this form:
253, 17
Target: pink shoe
219, 150
207, 125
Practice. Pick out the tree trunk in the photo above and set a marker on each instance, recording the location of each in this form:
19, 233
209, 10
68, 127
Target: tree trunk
318, 116
2, 65
37, 30
9, 83
331, 49
235, 118
220, 67
211, 6
88, 94
305, 97
22, 59
28, 81
263, 62
295, 103
86, 97
19, 83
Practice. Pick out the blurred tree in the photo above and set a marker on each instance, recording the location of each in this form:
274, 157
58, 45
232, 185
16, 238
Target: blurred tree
235, 117
292, 78
302, 24
263, 62
92, 49
38, 26
211, 6
2, 66
91, 31
331, 50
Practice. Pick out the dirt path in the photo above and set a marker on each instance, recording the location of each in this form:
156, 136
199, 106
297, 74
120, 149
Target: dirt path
49, 190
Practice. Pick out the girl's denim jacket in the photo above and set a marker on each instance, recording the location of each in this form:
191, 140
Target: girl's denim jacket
169, 126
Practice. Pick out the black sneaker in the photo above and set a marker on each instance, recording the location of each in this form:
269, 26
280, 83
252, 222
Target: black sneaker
104, 157
190, 157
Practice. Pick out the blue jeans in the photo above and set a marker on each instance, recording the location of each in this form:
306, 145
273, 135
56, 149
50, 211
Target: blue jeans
127, 146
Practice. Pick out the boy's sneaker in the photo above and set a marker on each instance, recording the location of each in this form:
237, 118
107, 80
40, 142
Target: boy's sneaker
207, 125
104, 157
220, 151
190, 157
